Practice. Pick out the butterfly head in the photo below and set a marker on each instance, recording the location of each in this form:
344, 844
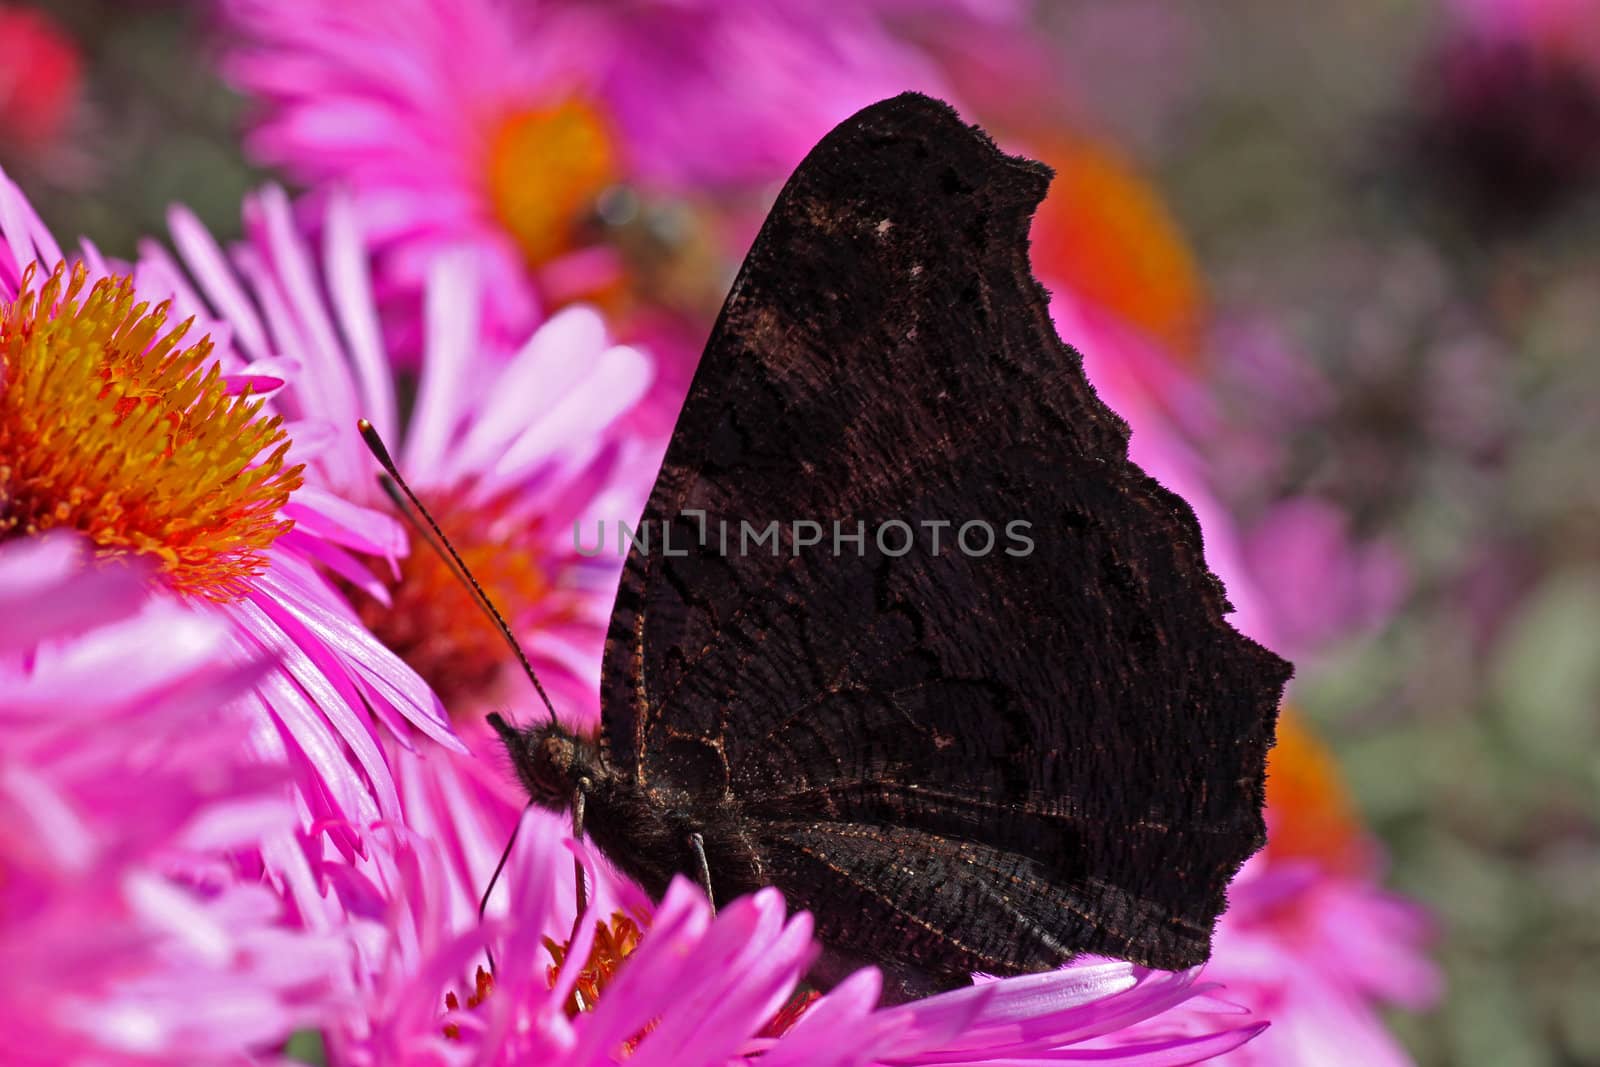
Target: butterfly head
550, 760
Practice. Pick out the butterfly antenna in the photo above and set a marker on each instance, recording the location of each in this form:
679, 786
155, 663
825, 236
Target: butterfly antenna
441, 544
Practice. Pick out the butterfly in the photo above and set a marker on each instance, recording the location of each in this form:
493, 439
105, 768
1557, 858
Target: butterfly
956, 759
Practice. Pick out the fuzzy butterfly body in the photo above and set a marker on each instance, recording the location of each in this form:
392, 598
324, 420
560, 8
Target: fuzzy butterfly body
957, 761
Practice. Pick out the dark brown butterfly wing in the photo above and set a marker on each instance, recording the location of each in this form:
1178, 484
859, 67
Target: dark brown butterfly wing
956, 762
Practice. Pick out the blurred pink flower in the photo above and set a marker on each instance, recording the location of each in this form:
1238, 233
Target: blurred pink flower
136, 490
497, 126
1556, 26
511, 446
1325, 584
126, 934
698, 990
1310, 939
1316, 952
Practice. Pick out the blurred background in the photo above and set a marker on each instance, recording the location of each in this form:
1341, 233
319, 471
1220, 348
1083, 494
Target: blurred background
1362, 238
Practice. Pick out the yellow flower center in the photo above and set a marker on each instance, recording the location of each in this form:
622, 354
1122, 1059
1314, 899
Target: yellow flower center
1309, 811
432, 621
111, 428
1105, 232
546, 166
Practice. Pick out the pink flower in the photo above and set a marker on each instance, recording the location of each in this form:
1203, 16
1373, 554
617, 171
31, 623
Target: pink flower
698, 990
1571, 26
1311, 940
217, 504
1316, 951
1325, 583
127, 936
497, 126
511, 447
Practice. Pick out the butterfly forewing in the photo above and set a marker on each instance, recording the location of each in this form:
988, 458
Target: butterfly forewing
958, 760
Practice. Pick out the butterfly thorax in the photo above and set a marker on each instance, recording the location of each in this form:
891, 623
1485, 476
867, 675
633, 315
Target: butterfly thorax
645, 831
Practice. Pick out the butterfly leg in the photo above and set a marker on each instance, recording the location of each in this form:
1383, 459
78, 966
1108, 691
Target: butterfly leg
579, 801
698, 845
483, 901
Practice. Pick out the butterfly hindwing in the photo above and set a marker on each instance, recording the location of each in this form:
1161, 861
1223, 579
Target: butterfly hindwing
986, 762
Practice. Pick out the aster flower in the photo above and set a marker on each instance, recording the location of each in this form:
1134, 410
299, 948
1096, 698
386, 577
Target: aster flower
497, 127
152, 441
509, 450
126, 934
696, 990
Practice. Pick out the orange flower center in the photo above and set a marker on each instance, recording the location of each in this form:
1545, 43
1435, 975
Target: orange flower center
1309, 811
613, 942
434, 624
1106, 233
546, 167
109, 427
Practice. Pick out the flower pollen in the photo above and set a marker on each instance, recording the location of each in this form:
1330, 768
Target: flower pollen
111, 427
613, 943
545, 169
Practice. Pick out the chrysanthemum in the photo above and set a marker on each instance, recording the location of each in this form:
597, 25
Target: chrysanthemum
126, 934
141, 433
497, 126
681, 988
